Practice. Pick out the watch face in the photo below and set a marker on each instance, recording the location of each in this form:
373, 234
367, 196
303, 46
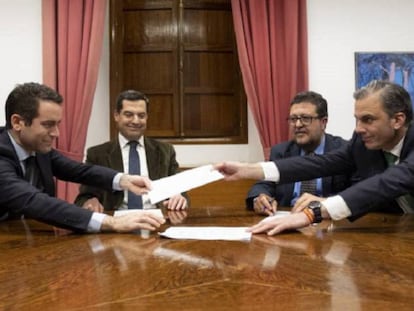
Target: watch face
315, 204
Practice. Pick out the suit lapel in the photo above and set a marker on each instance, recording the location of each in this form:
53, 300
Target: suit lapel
408, 141
292, 151
327, 180
46, 174
152, 159
114, 157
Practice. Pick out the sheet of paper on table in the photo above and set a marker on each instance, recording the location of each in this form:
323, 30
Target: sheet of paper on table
154, 211
166, 187
208, 233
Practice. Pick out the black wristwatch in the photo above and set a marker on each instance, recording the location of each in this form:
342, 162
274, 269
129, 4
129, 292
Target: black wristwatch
315, 206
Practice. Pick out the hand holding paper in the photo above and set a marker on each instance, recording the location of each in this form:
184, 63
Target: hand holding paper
168, 186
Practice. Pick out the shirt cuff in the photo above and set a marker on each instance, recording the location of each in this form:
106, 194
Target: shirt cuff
115, 182
336, 207
270, 171
95, 223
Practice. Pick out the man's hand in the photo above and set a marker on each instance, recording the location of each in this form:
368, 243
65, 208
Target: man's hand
132, 222
137, 184
303, 201
176, 217
238, 170
264, 205
93, 205
273, 225
175, 203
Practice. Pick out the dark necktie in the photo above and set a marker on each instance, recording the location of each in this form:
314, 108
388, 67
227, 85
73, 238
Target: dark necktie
32, 174
406, 202
308, 186
390, 158
134, 168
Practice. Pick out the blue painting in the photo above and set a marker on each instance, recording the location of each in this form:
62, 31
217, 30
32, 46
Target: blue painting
395, 67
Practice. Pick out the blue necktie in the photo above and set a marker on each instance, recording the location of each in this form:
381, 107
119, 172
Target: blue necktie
134, 168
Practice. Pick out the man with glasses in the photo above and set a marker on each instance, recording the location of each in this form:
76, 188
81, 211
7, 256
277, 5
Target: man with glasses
380, 155
307, 122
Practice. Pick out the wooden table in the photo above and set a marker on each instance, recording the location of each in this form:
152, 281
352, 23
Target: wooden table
365, 265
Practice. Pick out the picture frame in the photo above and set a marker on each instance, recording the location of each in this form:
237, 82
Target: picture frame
397, 67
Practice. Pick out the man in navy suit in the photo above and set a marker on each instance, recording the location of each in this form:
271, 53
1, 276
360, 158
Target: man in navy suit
307, 119
33, 114
383, 113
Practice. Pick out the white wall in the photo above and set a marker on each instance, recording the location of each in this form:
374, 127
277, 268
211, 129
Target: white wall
337, 29
20, 47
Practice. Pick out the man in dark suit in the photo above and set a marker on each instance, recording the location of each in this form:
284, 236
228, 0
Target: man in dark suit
156, 159
380, 154
29, 164
307, 119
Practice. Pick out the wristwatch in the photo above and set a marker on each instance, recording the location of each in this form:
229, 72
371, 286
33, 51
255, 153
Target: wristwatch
315, 206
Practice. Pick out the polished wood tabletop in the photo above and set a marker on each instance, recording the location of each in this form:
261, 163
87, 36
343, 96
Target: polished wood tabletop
364, 265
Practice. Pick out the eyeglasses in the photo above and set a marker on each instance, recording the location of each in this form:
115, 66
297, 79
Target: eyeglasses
305, 120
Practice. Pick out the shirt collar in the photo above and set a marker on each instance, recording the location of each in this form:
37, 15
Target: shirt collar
22, 154
396, 150
319, 149
123, 142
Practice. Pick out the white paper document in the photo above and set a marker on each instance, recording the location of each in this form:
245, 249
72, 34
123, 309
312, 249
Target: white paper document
155, 212
168, 186
208, 233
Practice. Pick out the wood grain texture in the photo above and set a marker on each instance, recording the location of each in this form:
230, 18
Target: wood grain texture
221, 193
365, 265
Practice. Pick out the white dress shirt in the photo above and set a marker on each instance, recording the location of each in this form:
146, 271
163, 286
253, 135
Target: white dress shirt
123, 144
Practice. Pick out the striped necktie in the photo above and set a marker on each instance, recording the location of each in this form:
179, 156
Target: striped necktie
308, 186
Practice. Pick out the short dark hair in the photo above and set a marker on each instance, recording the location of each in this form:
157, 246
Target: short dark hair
24, 100
130, 95
313, 98
394, 97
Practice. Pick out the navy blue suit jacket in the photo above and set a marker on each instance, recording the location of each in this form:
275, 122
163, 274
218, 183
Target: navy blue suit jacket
283, 193
18, 197
374, 186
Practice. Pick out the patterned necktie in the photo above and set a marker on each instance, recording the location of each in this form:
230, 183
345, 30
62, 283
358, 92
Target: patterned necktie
406, 202
308, 186
134, 168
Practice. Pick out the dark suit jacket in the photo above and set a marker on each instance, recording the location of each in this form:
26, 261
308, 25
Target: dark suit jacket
18, 197
283, 193
161, 162
374, 186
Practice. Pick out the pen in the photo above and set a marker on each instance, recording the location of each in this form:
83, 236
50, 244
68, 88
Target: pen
271, 202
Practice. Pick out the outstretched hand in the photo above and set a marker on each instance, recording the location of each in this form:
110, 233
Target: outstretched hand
137, 184
132, 222
274, 225
237, 170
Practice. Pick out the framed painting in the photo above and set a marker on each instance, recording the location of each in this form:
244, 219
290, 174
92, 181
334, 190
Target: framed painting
397, 67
